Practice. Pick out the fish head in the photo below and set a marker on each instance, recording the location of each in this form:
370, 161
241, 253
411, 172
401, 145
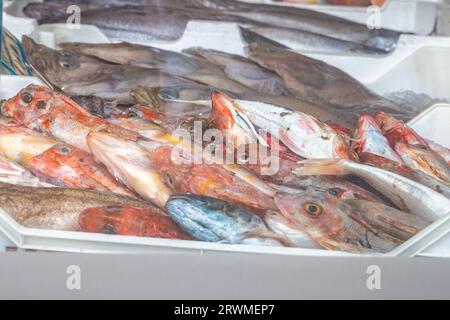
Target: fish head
61, 69
232, 121
314, 211
368, 139
31, 105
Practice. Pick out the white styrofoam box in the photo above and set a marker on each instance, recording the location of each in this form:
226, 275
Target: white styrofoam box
432, 241
409, 16
434, 124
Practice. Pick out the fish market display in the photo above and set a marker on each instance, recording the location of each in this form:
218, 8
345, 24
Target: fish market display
130, 221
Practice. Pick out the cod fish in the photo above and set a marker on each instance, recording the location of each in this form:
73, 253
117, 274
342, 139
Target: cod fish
66, 166
243, 70
214, 220
128, 221
174, 63
305, 41
318, 82
13, 173
81, 75
54, 114
57, 208
408, 195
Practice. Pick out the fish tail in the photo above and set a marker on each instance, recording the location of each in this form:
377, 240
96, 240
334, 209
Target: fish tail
322, 167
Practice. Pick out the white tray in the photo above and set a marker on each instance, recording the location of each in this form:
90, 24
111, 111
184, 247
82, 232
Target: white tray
432, 241
408, 16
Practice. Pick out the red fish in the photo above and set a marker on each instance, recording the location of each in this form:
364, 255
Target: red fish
67, 166
397, 131
209, 180
130, 221
52, 113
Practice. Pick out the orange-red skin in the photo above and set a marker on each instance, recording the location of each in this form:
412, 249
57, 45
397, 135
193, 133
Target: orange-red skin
129, 221
68, 166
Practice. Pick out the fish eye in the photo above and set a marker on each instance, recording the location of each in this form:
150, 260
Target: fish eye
41, 104
27, 97
335, 191
68, 54
244, 158
313, 209
168, 94
67, 64
65, 150
132, 115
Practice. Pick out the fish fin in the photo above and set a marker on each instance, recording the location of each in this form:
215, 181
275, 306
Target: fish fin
250, 36
321, 167
264, 233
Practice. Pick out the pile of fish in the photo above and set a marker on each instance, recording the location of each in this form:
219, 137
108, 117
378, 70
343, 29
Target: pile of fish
148, 20
103, 148
64, 168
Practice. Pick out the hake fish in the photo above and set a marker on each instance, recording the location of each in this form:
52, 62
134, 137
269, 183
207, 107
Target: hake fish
318, 82
57, 208
307, 42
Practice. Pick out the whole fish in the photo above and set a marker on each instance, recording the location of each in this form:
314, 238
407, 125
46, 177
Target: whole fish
227, 183
279, 224
174, 63
21, 144
77, 74
148, 23
128, 221
243, 70
13, 173
309, 20
406, 194
45, 110
57, 208
318, 82
330, 223
214, 220
66, 166
129, 162
395, 130
423, 159
307, 42
300, 132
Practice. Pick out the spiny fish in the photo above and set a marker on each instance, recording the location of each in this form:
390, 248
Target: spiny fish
66, 166
423, 159
214, 220
318, 82
328, 221
129, 162
76, 74
129, 221
307, 42
300, 132
408, 195
57, 208
45, 110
